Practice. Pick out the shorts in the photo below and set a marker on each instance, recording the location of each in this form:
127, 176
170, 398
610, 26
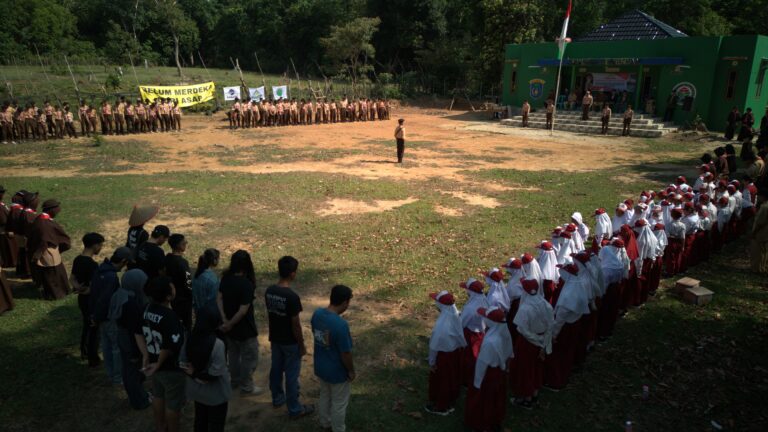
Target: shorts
171, 387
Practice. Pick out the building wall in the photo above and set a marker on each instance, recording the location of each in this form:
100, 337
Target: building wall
703, 69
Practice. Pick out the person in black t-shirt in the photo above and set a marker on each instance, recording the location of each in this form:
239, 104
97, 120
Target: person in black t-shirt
162, 342
177, 268
83, 269
235, 303
287, 340
150, 256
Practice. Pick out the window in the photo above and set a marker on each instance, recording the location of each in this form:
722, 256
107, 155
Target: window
760, 78
513, 81
730, 90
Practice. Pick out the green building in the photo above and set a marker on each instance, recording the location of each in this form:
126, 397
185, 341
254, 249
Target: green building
639, 60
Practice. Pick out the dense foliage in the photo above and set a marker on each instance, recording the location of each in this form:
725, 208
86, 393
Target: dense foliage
451, 41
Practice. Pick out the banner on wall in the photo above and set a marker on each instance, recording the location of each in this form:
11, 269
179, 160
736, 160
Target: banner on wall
280, 92
184, 96
231, 93
620, 81
256, 94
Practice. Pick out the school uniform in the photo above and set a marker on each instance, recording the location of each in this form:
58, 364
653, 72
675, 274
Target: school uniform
446, 349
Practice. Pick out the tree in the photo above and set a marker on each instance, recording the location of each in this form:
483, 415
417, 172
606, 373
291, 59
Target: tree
348, 48
183, 30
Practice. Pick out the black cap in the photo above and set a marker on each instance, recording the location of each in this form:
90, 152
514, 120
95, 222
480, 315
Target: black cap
161, 230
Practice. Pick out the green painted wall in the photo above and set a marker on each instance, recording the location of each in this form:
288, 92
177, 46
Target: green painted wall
707, 63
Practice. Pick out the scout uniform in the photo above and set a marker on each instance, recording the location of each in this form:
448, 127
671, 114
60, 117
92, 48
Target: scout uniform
58, 120
526, 110
106, 118
130, 116
628, 114
141, 117
49, 120
586, 106
85, 125
120, 117
46, 243
550, 114
606, 119
69, 123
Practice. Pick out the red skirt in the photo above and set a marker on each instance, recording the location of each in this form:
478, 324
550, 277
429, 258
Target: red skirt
474, 340
631, 288
703, 246
584, 334
609, 310
559, 364
527, 375
688, 259
655, 275
644, 281
672, 256
445, 381
486, 407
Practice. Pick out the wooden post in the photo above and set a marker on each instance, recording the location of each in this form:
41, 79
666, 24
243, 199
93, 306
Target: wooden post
263, 81
53, 89
210, 78
74, 81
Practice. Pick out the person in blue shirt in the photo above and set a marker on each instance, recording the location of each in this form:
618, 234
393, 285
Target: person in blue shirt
333, 359
205, 285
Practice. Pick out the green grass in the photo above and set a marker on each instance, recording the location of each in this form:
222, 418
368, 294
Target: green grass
702, 364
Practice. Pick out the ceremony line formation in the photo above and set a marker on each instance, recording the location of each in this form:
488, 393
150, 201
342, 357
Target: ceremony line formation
195, 334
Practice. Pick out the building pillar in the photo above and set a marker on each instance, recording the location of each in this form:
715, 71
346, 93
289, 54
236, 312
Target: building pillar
638, 89
573, 80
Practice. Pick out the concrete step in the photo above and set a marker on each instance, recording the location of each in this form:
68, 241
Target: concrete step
592, 114
593, 121
589, 124
586, 129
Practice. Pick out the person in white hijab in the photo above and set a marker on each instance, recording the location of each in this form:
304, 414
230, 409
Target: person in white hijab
647, 248
487, 396
721, 230
703, 243
583, 228
497, 293
603, 226
566, 249
531, 268
571, 306
621, 217
666, 211
535, 322
661, 247
589, 322
577, 242
549, 273
446, 346
557, 241
615, 264
514, 290
472, 325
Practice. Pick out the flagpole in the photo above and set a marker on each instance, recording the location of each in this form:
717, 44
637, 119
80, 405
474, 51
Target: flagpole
557, 93
561, 41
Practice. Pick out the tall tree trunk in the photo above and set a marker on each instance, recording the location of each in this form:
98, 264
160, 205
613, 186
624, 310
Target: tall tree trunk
176, 53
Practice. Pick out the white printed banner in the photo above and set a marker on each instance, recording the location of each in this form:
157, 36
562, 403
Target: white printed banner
231, 93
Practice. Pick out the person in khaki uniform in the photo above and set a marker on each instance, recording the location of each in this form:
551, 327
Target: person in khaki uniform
177, 116
58, 122
69, 122
758, 249
82, 115
48, 110
526, 111
106, 118
400, 140
46, 244
550, 114
628, 114
586, 105
605, 119
120, 116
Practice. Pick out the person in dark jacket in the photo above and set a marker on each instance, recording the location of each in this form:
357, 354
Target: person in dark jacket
733, 118
104, 284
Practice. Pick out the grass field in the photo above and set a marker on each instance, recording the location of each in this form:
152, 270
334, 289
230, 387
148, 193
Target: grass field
465, 200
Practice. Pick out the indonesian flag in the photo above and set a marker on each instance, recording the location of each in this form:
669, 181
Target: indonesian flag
563, 39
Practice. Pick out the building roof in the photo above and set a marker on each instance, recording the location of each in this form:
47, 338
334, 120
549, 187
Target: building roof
634, 25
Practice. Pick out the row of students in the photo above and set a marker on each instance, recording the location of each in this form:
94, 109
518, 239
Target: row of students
284, 112
533, 326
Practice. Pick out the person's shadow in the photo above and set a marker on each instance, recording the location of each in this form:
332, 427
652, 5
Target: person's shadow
379, 161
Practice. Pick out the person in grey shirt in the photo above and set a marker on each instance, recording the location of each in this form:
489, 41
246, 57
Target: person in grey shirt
208, 382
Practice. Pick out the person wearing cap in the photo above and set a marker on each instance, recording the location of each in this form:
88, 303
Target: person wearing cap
150, 257
486, 400
615, 265
620, 217
446, 348
532, 269
583, 229
589, 321
103, 285
647, 247
603, 228
566, 248
736, 203
472, 325
691, 221
8, 246
566, 332
549, 272
514, 288
137, 235
703, 242
676, 243
577, 241
84, 267
21, 222
334, 366
534, 322
632, 286
758, 246
177, 268
47, 241
721, 231
497, 291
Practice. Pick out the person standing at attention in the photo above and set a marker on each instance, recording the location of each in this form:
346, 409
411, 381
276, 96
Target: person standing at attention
333, 359
606, 119
628, 114
287, 340
400, 138
586, 105
526, 110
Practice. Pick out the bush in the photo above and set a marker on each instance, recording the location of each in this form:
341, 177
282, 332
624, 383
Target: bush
113, 81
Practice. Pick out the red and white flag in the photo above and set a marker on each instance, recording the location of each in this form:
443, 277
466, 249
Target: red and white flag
563, 39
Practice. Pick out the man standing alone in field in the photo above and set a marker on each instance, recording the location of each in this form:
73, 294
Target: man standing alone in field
400, 139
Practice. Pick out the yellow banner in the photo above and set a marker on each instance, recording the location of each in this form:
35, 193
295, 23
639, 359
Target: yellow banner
184, 96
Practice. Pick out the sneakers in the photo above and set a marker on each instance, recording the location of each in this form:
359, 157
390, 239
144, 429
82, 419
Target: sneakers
255, 391
432, 410
308, 410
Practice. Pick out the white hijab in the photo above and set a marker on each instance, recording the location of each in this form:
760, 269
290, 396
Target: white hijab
532, 270
573, 296
495, 351
723, 217
661, 241
615, 264
470, 320
618, 221
589, 283
497, 294
548, 265
647, 247
583, 228
577, 242
447, 335
514, 287
597, 272
603, 227
535, 320
564, 254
